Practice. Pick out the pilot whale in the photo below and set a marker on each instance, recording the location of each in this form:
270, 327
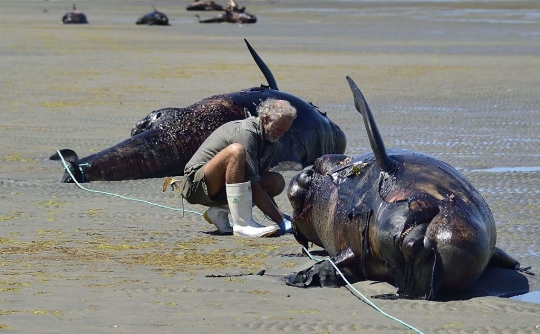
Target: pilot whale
396, 215
164, 141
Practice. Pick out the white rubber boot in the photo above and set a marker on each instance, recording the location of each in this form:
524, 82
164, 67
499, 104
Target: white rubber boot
240, 203
218, 215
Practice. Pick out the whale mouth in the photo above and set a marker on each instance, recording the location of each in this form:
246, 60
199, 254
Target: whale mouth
420, 214
413, 242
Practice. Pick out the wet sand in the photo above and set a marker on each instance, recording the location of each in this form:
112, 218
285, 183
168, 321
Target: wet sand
456, 80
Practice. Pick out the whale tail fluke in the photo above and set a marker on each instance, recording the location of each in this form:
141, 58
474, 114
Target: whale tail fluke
72, 161
67, 154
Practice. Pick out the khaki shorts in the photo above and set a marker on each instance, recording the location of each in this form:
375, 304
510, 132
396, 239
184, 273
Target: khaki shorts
195, 192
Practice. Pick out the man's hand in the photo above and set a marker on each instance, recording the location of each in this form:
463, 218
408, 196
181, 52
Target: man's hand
286, 226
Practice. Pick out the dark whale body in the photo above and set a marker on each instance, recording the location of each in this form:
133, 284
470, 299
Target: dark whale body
154, 18
74, 17
398, 216
164, 141
240, 17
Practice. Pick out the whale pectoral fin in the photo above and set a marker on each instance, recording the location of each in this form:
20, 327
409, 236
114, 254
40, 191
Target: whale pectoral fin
321, 274
430, 274
501, 259
346, 258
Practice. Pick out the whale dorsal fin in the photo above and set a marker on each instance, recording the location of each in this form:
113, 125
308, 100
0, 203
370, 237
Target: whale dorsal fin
155, 10
377, 145
264, 69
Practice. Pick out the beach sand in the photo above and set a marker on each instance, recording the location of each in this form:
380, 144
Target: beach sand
456, 80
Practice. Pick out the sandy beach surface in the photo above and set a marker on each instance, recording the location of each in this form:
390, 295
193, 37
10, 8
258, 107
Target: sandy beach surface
457, 80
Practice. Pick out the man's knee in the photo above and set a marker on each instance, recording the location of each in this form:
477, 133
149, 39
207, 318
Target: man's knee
273, 183
280, 183
237, 150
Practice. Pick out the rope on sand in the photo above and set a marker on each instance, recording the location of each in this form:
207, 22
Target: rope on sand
357, 293
123, 197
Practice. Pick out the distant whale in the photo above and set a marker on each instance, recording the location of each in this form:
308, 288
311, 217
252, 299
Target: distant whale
74, 17
154, 18
228, 17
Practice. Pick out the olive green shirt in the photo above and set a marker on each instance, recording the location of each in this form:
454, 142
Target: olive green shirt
249, 133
